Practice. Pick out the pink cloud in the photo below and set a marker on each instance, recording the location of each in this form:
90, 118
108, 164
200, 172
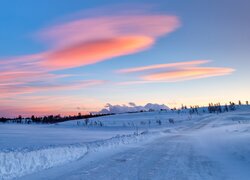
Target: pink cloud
173, 72
91, 40
109, 27
188, 74
24, 76
95, 51
162, 66
9, 90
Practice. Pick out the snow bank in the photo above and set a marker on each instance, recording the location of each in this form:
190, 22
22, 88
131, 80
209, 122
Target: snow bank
18, 163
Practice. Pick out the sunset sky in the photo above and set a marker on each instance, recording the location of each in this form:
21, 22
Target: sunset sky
75, 56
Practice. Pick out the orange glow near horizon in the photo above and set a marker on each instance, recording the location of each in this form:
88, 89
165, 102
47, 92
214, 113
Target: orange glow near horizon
48, 105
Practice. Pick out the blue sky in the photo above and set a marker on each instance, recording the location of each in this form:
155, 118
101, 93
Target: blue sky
217, 31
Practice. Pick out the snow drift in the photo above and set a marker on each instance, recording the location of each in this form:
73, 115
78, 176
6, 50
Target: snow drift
19, 163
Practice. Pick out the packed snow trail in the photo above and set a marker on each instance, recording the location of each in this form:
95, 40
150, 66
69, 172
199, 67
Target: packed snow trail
176, 160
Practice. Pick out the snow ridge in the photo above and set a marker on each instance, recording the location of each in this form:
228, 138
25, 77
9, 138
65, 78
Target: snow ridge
19, 163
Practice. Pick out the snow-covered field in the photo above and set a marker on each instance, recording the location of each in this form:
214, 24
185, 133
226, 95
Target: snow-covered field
130, 146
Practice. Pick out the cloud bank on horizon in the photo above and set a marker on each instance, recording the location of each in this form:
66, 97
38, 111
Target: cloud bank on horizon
132, 107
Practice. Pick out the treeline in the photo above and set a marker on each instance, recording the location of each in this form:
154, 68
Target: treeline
214, 108
49, 119
217, 108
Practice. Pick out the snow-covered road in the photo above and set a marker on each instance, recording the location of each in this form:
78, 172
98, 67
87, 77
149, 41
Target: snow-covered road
166, 158
203, 150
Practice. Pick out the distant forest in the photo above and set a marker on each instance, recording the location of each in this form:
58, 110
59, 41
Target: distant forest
51, 119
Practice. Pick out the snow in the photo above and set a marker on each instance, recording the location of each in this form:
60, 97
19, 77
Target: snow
130, 146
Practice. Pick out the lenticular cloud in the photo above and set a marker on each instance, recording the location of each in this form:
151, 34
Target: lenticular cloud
87, 41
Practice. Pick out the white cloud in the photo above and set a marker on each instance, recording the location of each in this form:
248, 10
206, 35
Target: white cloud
131, 107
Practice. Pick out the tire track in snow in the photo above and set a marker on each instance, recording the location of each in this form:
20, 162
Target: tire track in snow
170, 157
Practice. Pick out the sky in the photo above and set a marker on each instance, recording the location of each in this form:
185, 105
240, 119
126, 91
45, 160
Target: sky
65, 57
